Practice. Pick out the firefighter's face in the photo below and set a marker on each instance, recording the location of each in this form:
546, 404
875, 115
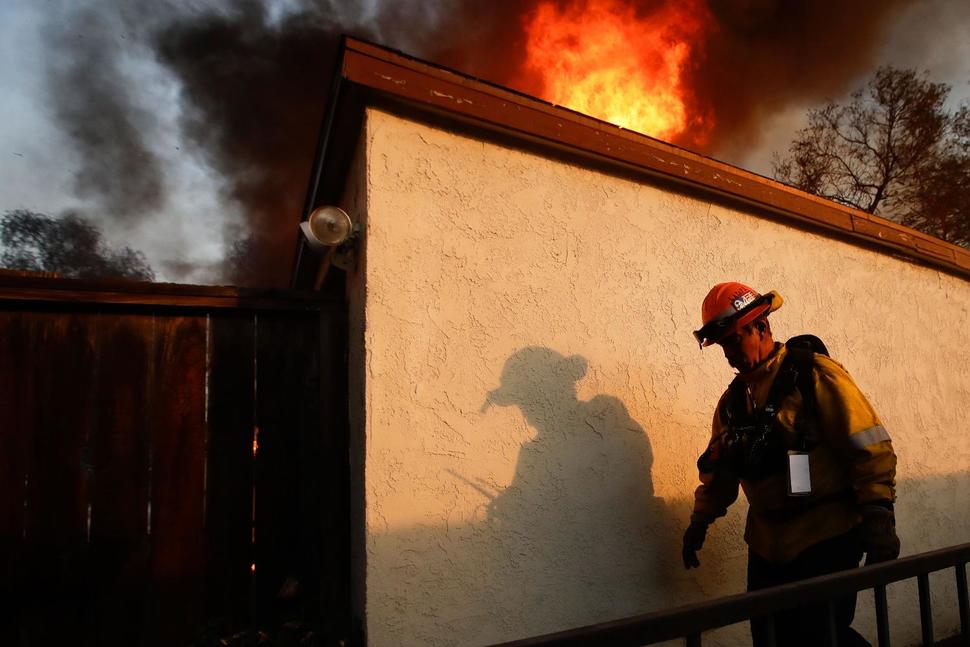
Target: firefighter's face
744, 349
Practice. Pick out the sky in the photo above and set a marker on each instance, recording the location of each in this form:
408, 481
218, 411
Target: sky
186, 232
932, 36
39, 161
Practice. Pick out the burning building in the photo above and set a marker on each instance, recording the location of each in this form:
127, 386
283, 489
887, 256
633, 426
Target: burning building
527, 401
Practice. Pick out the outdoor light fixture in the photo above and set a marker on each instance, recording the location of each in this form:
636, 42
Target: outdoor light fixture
328, 231
327, 227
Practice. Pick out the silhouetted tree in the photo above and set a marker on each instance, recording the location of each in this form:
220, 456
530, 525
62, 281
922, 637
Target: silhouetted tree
239, 265
68, 245
939, 202
892, 150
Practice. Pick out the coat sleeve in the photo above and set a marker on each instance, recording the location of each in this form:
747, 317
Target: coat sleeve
856, 433
717, 491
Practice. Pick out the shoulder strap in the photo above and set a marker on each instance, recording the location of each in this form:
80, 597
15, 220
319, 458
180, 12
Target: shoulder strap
785, 382
735, 407
801, 349
810, 342
801, 353
802, 360
794, 372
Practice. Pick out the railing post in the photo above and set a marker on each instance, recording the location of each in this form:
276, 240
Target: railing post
925, 609
833, 631
882, 615
770, 639
961, 573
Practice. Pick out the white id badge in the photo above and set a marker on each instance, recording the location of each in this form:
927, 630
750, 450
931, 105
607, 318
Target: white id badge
799, 475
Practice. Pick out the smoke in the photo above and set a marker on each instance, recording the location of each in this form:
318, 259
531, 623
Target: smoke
92, 99
255, 87
765, 55
253, 75
252, 78
253, 97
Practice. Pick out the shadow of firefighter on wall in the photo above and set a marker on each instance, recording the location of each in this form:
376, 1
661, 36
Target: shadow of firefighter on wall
584, 538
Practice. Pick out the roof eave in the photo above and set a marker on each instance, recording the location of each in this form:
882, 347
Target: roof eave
383, 73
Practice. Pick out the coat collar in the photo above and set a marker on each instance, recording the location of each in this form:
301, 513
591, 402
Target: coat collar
766, 368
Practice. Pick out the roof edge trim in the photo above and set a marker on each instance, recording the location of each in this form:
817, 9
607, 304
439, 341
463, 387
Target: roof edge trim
391, 73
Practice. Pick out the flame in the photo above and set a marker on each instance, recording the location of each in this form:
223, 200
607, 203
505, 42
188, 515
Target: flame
601, 58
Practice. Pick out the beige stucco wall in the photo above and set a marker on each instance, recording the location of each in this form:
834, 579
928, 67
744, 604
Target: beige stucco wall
560, 500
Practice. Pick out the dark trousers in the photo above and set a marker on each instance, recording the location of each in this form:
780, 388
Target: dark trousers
808, 626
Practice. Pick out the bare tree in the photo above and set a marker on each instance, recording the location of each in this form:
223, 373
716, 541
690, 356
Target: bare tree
939, 202
893, 149
68, 245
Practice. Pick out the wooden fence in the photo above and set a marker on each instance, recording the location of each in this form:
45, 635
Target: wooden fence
172, 463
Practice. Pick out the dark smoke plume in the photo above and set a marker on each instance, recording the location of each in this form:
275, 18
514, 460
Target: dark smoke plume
255, 90
92, 98
254, 95
768, 54
253, 87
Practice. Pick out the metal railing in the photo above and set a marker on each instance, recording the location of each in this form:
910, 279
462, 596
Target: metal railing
690, 621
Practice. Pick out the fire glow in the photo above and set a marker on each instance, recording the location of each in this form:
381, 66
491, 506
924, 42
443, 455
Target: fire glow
602, 58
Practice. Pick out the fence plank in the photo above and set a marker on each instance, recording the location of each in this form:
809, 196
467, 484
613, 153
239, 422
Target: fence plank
58, 400
177, 423
136, 530
119, 493
287, 468
230, 471
16, 437
335, 574
315, 473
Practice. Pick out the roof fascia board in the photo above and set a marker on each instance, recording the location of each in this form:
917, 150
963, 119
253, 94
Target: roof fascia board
437, 89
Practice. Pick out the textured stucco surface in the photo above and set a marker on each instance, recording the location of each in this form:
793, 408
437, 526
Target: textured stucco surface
534, 402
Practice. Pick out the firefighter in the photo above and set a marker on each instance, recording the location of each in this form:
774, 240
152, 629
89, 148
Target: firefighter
812, 457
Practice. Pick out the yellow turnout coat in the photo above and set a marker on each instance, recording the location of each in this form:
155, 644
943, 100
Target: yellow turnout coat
851, 464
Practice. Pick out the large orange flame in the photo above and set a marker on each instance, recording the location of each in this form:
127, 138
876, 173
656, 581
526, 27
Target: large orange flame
603, 58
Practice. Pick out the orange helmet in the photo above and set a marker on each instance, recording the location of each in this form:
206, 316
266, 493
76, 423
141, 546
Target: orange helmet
731, 306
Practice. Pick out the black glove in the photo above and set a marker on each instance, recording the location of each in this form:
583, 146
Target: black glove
694, 539
878, 534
